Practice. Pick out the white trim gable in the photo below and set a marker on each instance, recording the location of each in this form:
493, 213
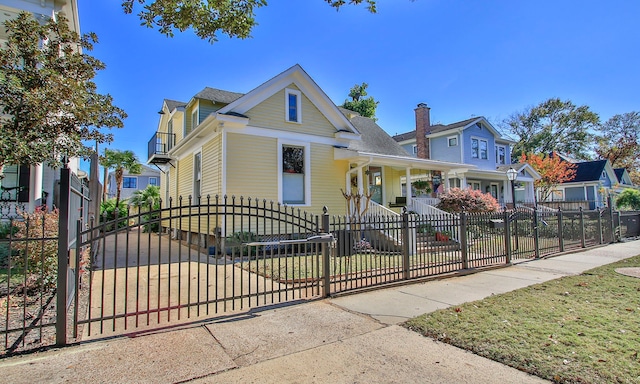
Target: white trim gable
297, 76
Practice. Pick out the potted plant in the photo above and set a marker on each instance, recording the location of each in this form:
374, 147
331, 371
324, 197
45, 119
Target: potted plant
421, 186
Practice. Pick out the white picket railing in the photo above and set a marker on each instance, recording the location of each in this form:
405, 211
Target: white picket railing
420, 207
433, 201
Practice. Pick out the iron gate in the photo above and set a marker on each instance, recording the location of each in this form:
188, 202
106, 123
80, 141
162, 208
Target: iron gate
192, 260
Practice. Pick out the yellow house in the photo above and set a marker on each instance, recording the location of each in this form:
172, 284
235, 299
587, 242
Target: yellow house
286, 142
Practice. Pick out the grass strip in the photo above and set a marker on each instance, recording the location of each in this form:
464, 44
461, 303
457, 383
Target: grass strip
577, 329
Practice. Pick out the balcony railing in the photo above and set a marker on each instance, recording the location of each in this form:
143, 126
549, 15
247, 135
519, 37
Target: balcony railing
159, 147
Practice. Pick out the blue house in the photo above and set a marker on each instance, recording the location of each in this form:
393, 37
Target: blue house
133, 182
592, 183
473, 142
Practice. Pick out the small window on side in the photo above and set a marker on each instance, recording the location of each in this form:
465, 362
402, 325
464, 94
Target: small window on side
293, 106
452, 141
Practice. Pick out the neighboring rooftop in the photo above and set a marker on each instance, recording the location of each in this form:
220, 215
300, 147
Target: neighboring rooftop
374, 139
588, 171
218, 95
437, 128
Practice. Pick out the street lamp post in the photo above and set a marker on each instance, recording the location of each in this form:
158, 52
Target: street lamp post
512, 175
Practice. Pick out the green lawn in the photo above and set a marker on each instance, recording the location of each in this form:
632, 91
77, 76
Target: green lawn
578, 329
304, 267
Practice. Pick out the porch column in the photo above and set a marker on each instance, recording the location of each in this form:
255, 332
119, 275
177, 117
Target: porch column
507, 192
408, 186
35, 187
463, 181
446, 181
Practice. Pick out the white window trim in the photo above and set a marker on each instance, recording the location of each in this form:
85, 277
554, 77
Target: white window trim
452, 137
498, 146
307, 170
479, 150
195, 115
415, 149
193, 180
157, 179
474, 182
298, 94
131, 177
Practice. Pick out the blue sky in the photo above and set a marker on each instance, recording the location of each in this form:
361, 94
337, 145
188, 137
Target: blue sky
463, 58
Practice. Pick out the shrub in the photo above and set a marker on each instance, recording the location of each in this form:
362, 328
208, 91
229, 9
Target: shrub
108, 212
468, 200
38, 257
629, 198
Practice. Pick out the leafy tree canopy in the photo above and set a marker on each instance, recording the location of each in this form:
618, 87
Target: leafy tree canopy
49, 100
629, 198
619, 141
365, 106
553, 125
552, 169
234, 18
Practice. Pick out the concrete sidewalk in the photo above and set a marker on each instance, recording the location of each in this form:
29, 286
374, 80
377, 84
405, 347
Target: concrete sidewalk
348, 339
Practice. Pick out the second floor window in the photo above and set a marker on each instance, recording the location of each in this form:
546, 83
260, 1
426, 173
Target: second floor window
153, 181
129, 182
501, 154
293, 108
479, 148
194, 120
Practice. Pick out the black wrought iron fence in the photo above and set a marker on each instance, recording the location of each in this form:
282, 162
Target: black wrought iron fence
200, 257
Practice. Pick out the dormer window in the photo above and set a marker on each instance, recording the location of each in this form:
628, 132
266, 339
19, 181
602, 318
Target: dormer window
604, 175
293, 106
415, 149
194, 119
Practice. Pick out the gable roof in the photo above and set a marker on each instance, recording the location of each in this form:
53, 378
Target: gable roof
619, 173
218, 95
297, 76
519, 167
443, 128
173, 104
374, 139
588, 171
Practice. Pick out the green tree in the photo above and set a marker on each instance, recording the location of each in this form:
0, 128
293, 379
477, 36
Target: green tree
120, 161
553, 125
234, 18
146, 200
629, 198
619, 141
49, 104
365, 106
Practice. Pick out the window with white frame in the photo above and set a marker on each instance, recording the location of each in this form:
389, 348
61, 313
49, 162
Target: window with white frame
169, 136
197, 177
194, 119
129, 182
153, 181
452, 141
474, 185
293, 106
479, 148
415, 149
295, 169
501, 154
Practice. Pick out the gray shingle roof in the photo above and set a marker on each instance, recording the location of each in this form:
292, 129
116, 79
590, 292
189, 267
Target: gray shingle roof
172, 104
218, 95
436, 129
374, 139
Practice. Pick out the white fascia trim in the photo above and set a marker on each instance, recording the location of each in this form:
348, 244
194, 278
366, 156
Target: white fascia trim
347, 136
284, 135
307, 170
405, 161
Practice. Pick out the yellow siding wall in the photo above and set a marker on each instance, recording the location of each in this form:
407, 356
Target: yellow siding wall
212, 168
327, 177
270, 114
252, 166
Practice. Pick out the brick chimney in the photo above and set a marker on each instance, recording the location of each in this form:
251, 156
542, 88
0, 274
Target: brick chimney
423, 128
